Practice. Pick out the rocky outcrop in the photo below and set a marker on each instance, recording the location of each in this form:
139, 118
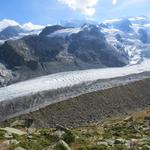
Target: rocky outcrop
50, 29
5, 75
29, 51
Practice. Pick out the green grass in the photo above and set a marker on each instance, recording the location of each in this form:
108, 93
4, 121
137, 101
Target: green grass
88, 138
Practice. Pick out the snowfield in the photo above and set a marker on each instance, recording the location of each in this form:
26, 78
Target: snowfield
68, 79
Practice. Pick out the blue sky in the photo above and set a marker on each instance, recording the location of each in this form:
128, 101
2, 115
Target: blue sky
52, 11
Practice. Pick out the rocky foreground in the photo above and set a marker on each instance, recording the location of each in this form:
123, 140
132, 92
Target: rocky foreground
100, 120
130, 132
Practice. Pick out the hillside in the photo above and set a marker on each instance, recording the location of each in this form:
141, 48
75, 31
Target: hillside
92, 107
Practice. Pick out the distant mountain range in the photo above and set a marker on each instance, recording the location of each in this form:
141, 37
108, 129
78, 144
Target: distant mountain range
29, 50
10, 29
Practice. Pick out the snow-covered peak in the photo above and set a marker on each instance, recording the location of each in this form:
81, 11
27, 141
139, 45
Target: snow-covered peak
11, 30
6, 23
135, 43
65, 32
27, 26
30, 26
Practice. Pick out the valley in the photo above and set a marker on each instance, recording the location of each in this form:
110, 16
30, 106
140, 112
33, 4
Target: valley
77, 85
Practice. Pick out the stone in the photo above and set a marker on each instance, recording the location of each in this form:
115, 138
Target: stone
63, 145
129, 118
31, 130
19, 148
30, 137
110, 142
8, 135
18, 123
146, 129
59, 134
120, 141
102, 143
13, 131
49, 147
7, 142
138, 135
13, 141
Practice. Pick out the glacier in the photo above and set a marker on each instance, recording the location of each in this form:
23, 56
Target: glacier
68, 79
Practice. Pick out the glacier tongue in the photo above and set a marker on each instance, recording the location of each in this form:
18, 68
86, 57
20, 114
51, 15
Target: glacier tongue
68, 79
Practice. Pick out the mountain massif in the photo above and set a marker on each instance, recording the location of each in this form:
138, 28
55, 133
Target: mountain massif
113, 43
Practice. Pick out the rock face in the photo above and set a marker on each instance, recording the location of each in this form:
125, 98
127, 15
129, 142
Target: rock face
29, 51
5, 75
36, 55
50, 29
91, 47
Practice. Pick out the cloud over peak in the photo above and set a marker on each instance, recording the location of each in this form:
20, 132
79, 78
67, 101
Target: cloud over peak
7, 22
86, 7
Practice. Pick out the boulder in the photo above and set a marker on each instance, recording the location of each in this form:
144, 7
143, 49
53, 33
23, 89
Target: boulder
62, 145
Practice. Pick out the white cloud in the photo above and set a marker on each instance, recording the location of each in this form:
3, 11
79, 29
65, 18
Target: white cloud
27, 26
114, 2
87, 7
7, 22
30, 26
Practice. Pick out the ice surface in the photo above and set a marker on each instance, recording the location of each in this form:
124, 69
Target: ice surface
68, 79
